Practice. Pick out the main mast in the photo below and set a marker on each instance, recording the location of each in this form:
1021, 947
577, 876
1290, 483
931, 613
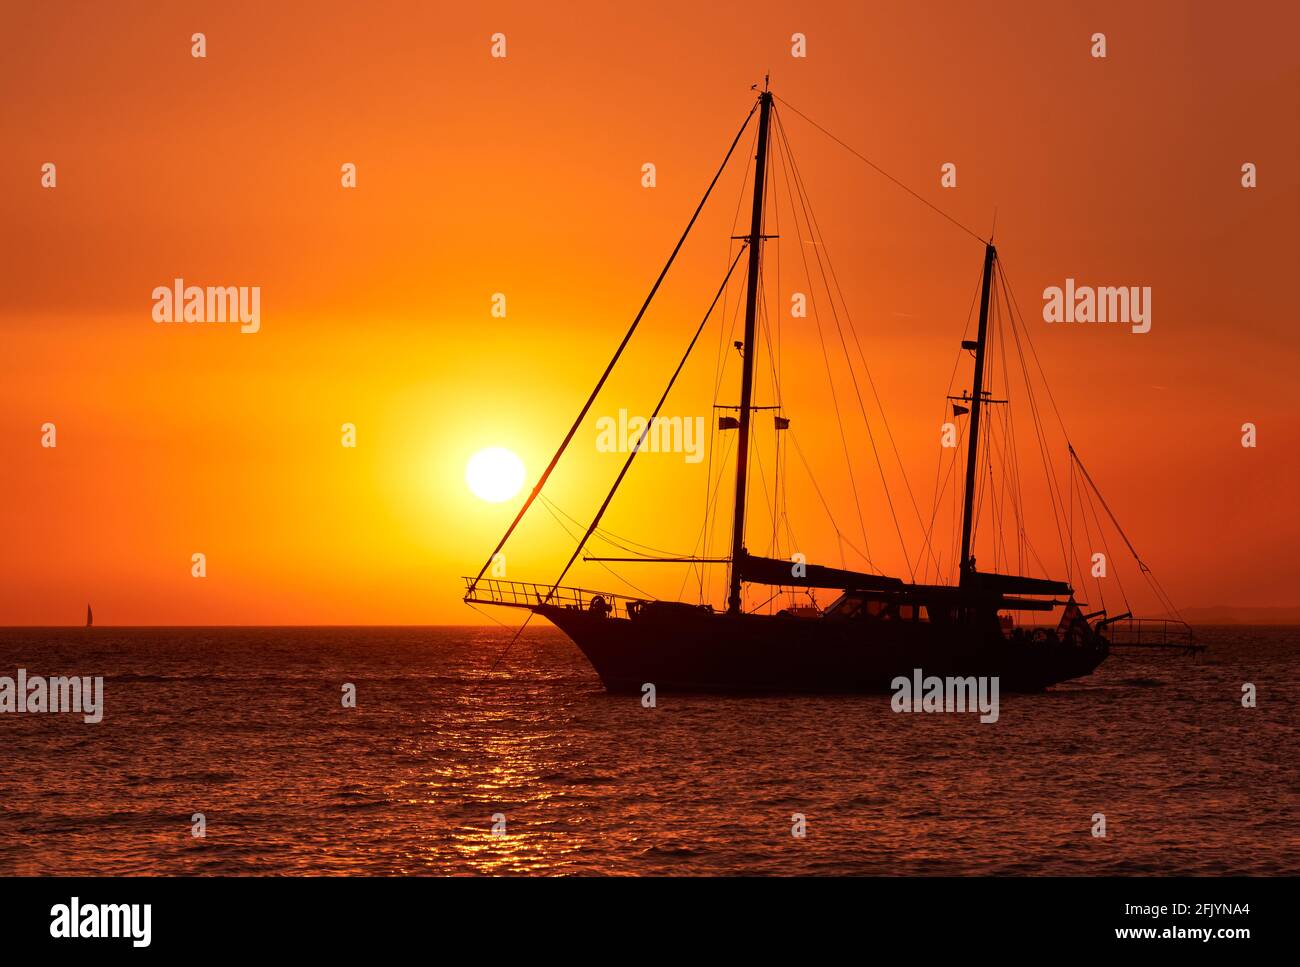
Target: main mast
748, 354
977, 399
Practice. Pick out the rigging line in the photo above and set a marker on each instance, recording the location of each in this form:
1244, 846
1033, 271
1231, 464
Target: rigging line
609, 537
725, 343
606, 536
1018, 325
568, 533
1165, 600
1046, 385
1160, 592
754, 450
779, 591
711, 519
998, 502
1087, 534
1053, 484
825, 506
773, 364
983, 458
758, 459
701, 543
708, 481
1005, 456
710, 513
880, 170
830, 379
998, 425
775, 492
810, 217
491, 617
1034, 553
957, 452
862, 356
997, 497
582, 415
783, 476
938, 467
1159, 589
735, 220
1070, 526
776, 366
1049, 467
1017, 495
1014, 471
961, 459
1105, 543
776, 360
628, 463
725, 336
1024, 543
767, 330
772, 340
996, 512
595, 523
791, 541
1010, 508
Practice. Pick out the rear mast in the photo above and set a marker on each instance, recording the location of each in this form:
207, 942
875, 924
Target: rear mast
747, 350
977, 399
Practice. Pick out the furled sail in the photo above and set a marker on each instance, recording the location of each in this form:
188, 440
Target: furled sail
772, 570
1013, 584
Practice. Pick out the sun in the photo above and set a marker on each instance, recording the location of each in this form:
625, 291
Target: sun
494, 474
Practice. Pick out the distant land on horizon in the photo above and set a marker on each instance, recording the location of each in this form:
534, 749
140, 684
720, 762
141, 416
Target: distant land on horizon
1228, 614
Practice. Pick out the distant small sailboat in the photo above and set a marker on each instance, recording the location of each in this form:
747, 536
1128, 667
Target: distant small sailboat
90, 617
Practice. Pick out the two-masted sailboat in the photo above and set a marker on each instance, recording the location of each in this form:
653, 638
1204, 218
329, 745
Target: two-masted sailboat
880, 626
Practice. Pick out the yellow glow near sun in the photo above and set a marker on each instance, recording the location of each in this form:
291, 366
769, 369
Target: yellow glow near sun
494, 474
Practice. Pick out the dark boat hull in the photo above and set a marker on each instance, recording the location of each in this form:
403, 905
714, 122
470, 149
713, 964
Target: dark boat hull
704, 651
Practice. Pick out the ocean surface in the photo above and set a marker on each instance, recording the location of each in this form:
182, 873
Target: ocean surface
247, 727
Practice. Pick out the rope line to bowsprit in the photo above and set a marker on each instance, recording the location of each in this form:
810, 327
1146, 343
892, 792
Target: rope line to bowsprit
595, 521
582, 414
879, 170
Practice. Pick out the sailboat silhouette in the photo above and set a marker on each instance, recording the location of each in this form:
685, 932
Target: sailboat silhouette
881, 626
90, 617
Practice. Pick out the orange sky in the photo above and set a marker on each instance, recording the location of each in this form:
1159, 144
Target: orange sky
479, 175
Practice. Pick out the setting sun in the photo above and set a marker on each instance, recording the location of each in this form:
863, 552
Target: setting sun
494, 474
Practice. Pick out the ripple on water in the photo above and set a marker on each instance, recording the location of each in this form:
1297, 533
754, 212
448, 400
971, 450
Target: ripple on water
244, 725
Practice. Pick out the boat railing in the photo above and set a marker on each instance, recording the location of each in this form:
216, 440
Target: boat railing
1130, 632
529, 594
